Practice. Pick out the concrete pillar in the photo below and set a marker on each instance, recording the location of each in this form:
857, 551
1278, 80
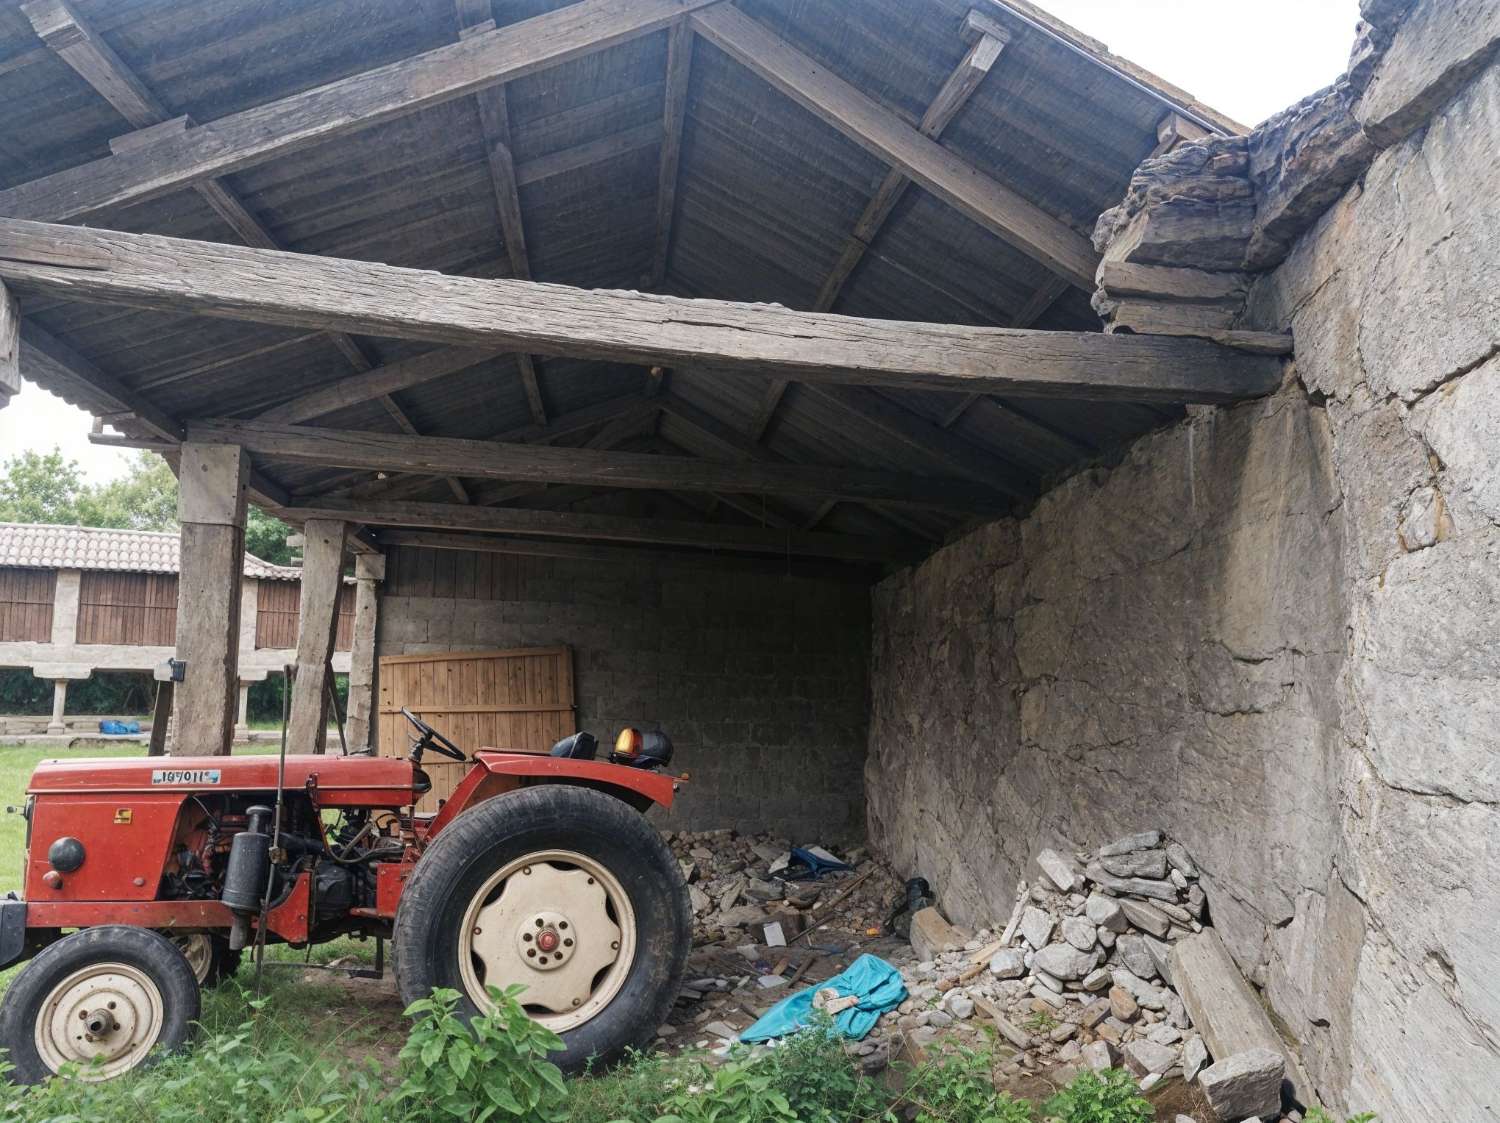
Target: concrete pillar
249, 619
242, 726
10, 346
65, 611
211, 506
59, 700
317, 623
369, 571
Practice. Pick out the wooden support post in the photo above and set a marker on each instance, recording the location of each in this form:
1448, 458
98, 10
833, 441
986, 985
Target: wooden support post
161, 717
214, 480
322, 579
10, 346
369, 571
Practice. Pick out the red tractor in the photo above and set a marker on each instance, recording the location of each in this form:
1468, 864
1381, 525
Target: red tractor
539, 870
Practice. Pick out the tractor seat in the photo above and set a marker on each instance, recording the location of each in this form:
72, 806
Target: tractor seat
580, 746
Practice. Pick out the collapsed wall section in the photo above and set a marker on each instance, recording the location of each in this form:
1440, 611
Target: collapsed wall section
1273, 630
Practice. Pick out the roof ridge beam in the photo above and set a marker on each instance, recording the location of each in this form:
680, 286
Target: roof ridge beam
264, 132
674, 116
183, 276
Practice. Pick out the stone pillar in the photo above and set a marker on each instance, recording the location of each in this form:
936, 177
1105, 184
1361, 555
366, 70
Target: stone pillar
59, 700
211, 506
242, 725
65, 612
317, 622
10, 346
369, 571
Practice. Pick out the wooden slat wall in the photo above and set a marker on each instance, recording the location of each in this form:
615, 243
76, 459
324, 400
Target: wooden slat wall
138, 609
463, 574
520, 700
26, 604
279, 602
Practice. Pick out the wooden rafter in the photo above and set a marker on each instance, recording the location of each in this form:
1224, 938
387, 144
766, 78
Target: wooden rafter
674, 115
475, 18
265, 132
988, 39
884, 133
611, 528
183, 276
342, 448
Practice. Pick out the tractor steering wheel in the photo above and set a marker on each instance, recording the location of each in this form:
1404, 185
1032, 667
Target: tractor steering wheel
430, 738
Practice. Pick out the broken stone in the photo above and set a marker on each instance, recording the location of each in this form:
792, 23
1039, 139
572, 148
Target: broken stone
741, 916
1036, 927
1194, 1057
758, 890
1146, 995
1048, 980
1056, 869
1094, 1013
1097, 979
1069, 1052
938, 1019
1246, 1085
1052, 999
1111, 1031
1008, 963
1079, 932
731, 896
1146, 1057
699, 899
1099, 1055
1122, 1004
959, 1004
1133, 886
1065, 961
1161, 954
931, 934
1138, 863
1106, 912
1063, 1032
1142, 841
1148, 918
1133, 953
1164, 1034
1017, 1037
1181, 860
722, 1029
771, 982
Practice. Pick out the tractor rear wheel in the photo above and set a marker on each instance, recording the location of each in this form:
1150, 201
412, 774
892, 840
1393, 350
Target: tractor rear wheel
103, 999
566, 891
208, 954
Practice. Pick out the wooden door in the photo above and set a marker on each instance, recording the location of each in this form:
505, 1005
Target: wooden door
519, 700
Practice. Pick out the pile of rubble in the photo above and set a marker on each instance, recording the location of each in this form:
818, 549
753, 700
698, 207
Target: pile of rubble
1081, 973
736, 889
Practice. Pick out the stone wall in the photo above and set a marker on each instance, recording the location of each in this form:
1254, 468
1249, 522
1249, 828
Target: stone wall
1274, 629
760, 678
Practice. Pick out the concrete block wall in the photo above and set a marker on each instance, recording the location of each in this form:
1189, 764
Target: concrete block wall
760, 679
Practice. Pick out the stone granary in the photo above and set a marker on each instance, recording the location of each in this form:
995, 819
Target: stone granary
897, 402
77, 600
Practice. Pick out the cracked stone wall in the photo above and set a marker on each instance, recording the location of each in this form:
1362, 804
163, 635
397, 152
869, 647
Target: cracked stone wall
1273, 630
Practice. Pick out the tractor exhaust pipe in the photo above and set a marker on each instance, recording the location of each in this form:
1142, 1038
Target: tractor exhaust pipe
248, 871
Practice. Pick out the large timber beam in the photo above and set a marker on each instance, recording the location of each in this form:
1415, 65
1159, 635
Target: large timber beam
178, 276
317, 623
886, 135
10, 346
612, 528
674, 115
343, 448
254, 136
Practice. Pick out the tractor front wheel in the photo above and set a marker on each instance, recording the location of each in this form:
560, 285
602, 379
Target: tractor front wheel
566, 891
103, 1000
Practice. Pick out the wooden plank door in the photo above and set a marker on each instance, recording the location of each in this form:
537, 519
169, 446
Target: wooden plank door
519, 700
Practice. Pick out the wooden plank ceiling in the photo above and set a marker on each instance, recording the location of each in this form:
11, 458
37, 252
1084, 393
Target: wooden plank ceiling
937, 161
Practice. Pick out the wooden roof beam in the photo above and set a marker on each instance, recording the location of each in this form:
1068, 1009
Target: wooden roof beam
613, 528
182, 276
342, 448
883, 133
987, 39
474, 18
265, 132
674, 115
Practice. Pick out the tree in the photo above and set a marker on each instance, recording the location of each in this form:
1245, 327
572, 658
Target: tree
145, 498
40, 487
265, 537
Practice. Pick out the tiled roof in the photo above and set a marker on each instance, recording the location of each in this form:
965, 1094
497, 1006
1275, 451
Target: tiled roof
38, 546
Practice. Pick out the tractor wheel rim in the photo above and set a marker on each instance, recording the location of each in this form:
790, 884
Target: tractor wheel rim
557, 923
103, 1018
198, 949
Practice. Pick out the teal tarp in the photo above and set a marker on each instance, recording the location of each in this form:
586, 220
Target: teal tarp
876, 982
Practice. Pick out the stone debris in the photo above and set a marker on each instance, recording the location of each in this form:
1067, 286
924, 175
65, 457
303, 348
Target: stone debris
1246, 1085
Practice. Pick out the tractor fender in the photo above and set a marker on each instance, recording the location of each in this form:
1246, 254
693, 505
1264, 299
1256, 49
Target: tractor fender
495, 773
12, 931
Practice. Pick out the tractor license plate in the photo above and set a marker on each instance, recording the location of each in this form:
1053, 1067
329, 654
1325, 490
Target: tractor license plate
185, 776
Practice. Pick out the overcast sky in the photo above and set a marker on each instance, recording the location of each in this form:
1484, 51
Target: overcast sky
1246, 58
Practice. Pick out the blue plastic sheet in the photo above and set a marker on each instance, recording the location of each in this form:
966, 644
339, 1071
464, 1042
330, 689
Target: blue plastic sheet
119, 727
876, 982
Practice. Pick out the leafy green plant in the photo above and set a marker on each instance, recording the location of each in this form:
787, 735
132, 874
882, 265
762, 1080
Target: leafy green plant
1318, 1115
496, 1065
738, 1091
819, 1080
957, 1088
1107, 1097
